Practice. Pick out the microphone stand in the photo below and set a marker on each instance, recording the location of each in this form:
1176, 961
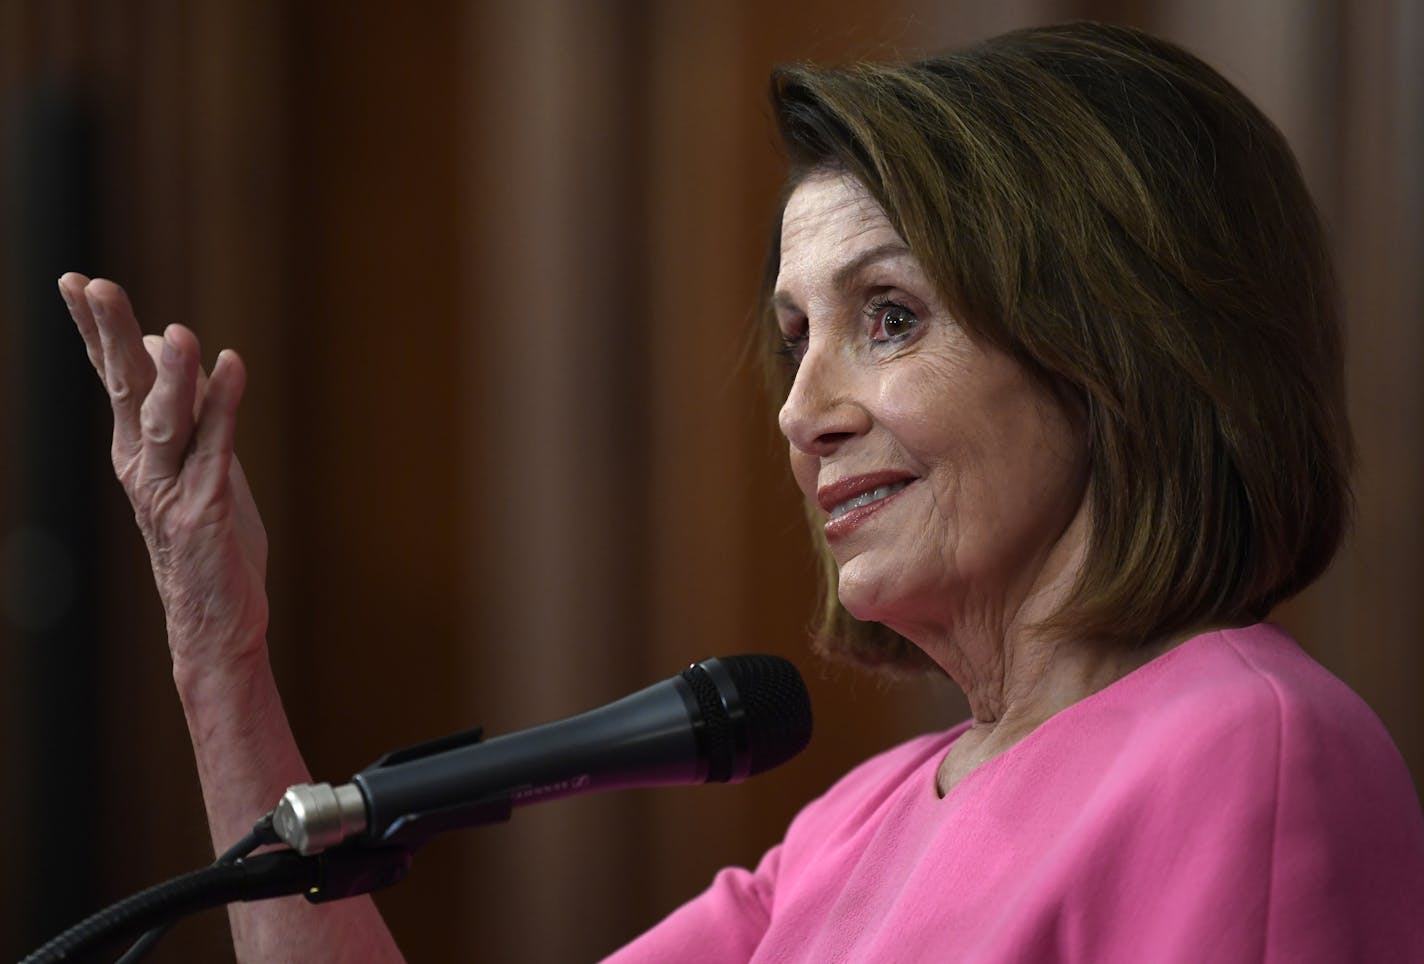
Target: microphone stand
356, 867
331, 875
706, 709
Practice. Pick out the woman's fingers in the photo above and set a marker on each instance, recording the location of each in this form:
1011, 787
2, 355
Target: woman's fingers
71, 289
173, 423
208, 451
211, 457
127, 370
166, 415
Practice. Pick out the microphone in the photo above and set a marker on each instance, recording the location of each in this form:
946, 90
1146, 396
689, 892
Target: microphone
719, 721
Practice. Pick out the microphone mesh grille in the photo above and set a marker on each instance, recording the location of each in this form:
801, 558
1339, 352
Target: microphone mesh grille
778, 709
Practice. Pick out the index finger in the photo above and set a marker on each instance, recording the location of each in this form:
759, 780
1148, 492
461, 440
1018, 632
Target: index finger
71, 289
128, 371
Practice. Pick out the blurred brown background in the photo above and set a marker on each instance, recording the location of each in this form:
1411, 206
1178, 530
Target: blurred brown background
491, 266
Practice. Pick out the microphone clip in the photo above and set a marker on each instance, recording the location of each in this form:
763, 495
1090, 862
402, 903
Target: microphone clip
429, 748
411, 831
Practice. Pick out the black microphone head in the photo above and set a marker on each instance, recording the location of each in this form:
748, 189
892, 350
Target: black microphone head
756, 713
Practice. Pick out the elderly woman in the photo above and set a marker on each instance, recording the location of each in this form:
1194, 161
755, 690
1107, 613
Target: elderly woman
1062, 386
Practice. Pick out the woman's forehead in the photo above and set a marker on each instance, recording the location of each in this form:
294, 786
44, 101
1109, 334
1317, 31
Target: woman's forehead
830, 222
834, 208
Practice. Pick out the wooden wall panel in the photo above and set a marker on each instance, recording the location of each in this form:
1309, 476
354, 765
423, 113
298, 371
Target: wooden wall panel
368, 655
553, 473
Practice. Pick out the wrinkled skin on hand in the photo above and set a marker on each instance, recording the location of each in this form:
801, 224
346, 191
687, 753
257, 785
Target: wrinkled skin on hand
173, 453
173, 432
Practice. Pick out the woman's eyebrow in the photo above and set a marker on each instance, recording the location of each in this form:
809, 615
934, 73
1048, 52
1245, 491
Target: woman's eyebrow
844, 276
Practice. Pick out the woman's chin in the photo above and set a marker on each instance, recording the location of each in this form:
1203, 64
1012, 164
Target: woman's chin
868, 600
856, 601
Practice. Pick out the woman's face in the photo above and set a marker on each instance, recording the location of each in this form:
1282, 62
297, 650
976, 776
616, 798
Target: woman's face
947, 478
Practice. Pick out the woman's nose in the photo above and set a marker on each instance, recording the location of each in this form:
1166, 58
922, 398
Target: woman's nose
821, 411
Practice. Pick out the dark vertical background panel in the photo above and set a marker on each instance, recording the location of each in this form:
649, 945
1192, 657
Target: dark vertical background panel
47, 552
367, 657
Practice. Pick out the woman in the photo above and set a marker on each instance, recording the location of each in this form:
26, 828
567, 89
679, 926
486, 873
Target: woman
1063, 390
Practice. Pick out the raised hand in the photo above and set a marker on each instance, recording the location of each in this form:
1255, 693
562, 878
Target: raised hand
173, 453
173, 431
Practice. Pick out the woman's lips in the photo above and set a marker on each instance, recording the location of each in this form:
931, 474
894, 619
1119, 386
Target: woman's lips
850, 502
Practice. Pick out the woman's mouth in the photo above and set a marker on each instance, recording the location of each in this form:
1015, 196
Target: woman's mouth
866, 498
851, 501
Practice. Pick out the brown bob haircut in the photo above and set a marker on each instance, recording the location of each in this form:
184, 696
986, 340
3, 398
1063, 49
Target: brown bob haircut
1113, 214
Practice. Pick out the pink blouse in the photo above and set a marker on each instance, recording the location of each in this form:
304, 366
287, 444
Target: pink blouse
1229, 801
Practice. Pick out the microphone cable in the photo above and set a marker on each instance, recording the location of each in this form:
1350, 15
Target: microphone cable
261, 834
198, 886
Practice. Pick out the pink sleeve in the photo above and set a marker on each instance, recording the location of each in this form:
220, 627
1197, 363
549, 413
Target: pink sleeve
1347, 878
1296, 839
725, 922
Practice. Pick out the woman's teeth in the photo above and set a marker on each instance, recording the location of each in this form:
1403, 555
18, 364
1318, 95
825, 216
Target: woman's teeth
865, 498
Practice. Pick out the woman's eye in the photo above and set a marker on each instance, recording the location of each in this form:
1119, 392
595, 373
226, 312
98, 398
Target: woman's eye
793, 349
892, 321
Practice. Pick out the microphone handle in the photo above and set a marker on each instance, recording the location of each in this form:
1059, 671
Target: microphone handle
650, 738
